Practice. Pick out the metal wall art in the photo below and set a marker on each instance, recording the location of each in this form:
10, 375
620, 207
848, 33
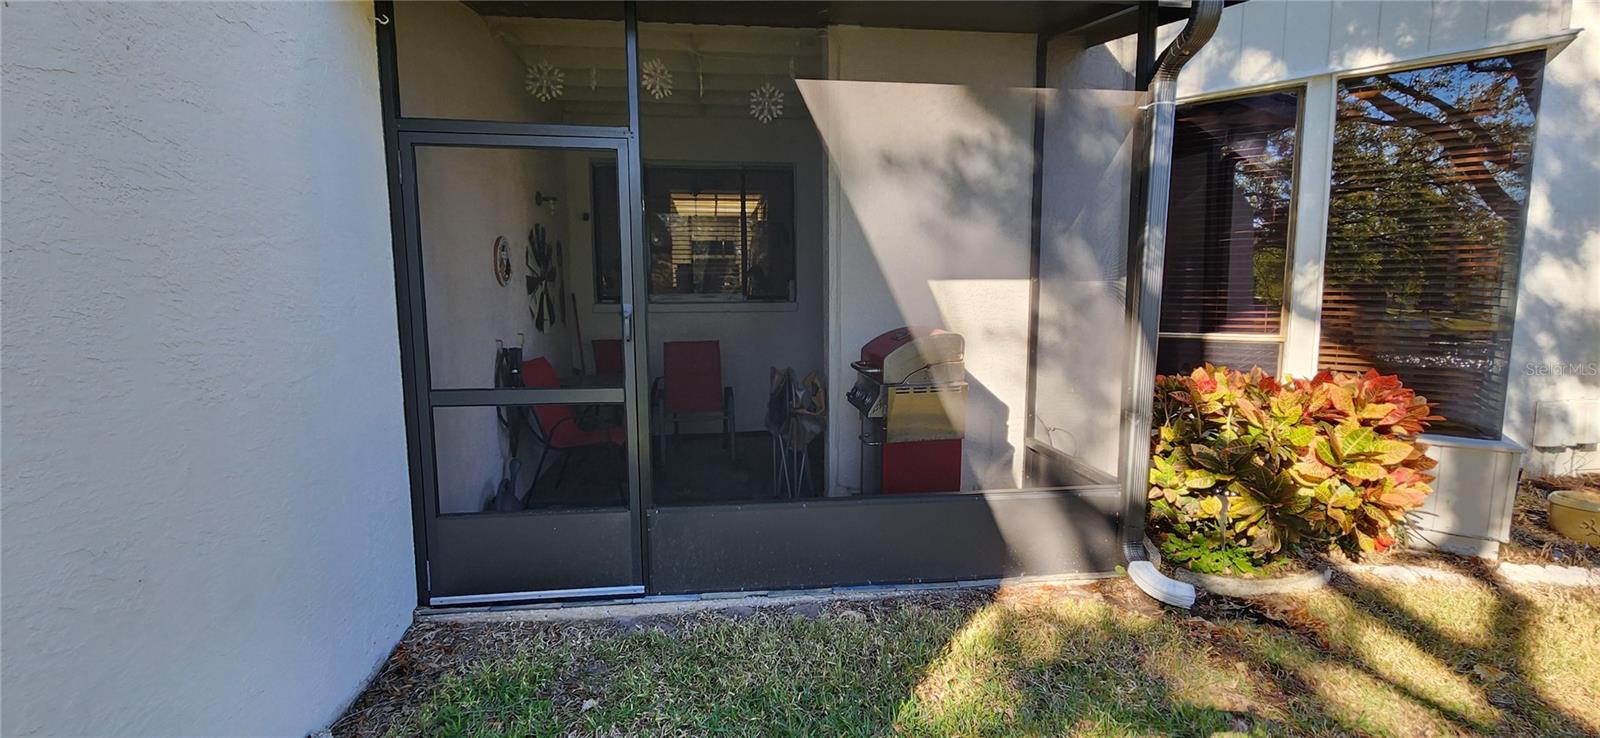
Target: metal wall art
656, 79
545, 81
502, 260
766, 103
542, 282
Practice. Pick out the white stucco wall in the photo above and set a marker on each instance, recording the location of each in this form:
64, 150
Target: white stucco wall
206, 516
929, 136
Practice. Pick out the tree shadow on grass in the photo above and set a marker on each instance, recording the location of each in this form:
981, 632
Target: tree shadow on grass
1496, 650
1363, 657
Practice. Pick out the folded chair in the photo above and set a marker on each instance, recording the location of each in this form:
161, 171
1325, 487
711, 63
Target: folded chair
691, 388
557, 426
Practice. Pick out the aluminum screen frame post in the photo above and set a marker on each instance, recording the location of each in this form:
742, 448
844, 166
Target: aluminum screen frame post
1142, 310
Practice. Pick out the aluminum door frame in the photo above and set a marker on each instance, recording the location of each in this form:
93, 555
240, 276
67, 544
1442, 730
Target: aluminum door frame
555, 554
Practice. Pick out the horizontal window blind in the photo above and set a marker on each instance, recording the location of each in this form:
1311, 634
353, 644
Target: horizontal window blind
1425, 219
1181, 354
695, 220
711, 232
1228, 220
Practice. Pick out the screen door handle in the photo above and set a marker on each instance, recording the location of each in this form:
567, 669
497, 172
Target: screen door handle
627, 322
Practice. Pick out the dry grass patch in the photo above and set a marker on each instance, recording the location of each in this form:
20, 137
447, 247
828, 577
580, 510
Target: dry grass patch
1364, 657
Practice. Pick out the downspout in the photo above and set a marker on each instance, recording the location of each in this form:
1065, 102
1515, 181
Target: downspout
1146, 260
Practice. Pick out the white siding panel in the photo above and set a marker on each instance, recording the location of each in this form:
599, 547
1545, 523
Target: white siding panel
1459, 24
1217, 65
1354, 34
1261, 43
1525, 18
1403, 27
1306, 31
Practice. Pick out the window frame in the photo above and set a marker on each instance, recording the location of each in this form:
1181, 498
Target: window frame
1280, 338
1547, 47
741, 300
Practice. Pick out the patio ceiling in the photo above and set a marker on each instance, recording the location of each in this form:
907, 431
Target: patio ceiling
1004, 16
716, 52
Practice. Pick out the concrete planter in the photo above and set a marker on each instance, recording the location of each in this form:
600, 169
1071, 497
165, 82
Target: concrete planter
1576, 515
1252, 587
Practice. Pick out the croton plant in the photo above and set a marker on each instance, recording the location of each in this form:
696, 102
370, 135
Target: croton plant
1247, 470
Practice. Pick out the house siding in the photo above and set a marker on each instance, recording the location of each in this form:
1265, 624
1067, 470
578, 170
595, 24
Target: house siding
207, 520
1264, 43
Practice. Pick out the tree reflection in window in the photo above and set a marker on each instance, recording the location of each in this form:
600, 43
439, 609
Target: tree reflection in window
1426, 209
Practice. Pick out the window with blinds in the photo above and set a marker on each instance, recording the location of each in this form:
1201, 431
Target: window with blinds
1228, 233
1425, 219
714, 234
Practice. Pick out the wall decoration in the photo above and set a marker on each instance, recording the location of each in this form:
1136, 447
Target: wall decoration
502, 260
541, 279
545, 81
561, 281
656, 79
766, 103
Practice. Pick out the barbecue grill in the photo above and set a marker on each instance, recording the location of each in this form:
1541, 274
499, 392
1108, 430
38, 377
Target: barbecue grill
911, 391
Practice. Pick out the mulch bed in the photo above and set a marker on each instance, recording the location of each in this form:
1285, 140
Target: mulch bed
1532, 540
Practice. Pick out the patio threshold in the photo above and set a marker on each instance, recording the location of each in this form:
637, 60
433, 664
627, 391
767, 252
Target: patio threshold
654, 605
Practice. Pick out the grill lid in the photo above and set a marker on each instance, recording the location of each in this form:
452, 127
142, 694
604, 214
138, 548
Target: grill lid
914, 354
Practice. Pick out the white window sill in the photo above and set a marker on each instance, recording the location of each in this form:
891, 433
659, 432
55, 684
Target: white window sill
707, 307
1504, 445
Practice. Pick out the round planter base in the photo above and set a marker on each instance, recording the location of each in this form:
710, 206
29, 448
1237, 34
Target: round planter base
1246, 587
1576, 515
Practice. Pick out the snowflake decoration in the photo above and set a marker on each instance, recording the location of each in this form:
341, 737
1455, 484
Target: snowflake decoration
766, 102
546, 82
656, 79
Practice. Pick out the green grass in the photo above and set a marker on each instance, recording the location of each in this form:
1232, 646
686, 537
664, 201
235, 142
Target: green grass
1365, 657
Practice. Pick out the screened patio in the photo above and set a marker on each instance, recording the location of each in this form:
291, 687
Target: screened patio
727, 296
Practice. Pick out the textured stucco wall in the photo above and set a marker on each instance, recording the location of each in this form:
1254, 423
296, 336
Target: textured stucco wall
206, 520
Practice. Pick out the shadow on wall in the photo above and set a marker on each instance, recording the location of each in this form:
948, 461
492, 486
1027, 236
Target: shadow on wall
1557, 340
935, 188
933, 213
932, 226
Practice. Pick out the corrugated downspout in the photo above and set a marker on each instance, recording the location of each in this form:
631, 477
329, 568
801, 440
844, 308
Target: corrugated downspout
1146, 259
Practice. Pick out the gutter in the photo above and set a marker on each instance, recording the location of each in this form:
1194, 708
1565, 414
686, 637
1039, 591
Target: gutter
1142, 311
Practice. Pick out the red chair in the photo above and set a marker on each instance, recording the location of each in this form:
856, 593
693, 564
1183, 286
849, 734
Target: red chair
607, 356
557, 426
691, 388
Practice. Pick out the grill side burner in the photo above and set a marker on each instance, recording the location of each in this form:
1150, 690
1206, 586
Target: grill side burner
911, 391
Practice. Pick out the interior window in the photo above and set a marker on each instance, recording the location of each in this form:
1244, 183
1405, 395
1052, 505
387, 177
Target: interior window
714, 234
1228, 233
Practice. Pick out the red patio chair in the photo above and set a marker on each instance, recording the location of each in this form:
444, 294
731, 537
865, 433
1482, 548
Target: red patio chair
607, 356
557, 426
691, 388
